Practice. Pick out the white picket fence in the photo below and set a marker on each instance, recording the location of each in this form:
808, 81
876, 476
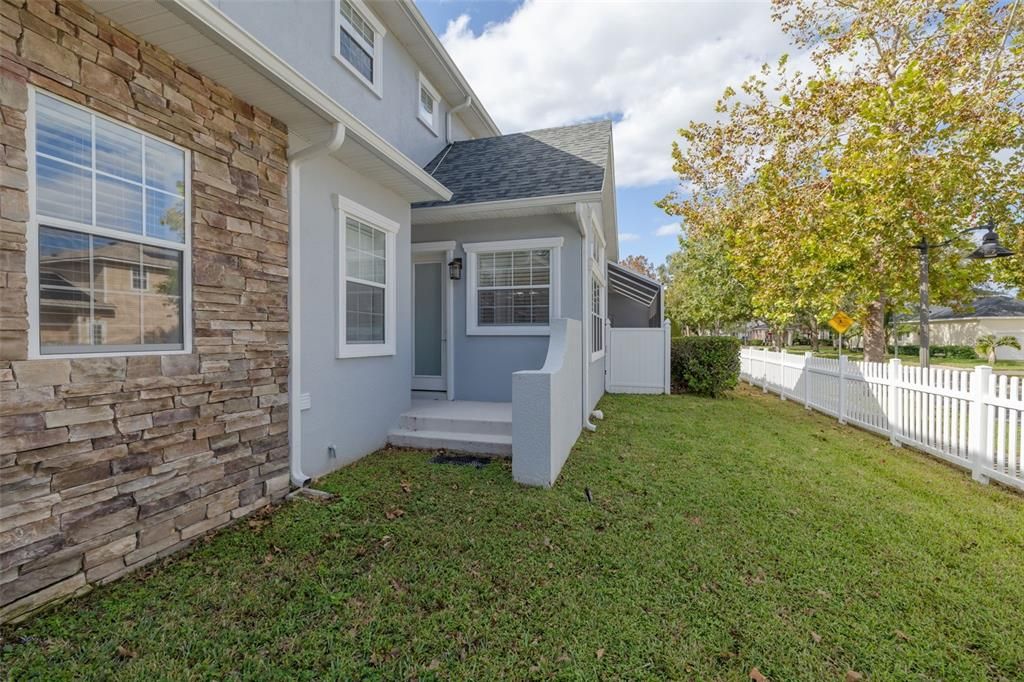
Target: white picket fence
973, 419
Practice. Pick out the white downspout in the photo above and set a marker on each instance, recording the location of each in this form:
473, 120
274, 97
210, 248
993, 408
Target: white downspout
582, 220
295, 160
448, 118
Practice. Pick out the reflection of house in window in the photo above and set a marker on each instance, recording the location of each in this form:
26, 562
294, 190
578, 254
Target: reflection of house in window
101, 291
139, 278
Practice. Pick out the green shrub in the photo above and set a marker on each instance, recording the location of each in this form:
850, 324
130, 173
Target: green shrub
752, 342
705, 365
956, 352
905, 349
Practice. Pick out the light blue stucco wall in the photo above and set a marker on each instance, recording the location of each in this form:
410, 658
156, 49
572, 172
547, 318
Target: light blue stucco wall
354, 401
302, 33
484, 364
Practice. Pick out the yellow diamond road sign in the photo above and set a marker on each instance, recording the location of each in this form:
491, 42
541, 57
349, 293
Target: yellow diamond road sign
841, 322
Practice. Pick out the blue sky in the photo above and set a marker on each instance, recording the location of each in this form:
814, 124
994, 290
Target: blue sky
649, 66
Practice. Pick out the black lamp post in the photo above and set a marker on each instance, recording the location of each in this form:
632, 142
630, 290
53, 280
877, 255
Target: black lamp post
990, 248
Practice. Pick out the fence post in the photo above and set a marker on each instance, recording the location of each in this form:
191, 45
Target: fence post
978, 423
666, 326
892, 408
806, 373
764, 370
782, 374
842, 389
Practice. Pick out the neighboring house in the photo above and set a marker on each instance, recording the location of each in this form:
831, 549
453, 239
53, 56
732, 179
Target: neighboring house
238, 238
998, 315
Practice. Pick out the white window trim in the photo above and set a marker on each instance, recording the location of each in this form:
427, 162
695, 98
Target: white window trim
376, 86
597, 275
32, 247
431, 121
346, 208
473, 327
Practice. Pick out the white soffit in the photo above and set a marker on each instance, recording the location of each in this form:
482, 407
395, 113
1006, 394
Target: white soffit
198, 34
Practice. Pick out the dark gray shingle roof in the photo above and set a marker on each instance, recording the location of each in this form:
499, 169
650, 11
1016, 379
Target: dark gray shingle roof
522, 165
984, 306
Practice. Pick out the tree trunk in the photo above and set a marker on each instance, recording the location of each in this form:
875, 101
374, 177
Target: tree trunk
874, 332
815, 334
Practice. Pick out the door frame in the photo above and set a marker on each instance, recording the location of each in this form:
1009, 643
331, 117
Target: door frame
445, 251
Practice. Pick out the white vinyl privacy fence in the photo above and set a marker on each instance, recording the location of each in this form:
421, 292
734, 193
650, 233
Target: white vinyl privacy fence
973, 419
638, 359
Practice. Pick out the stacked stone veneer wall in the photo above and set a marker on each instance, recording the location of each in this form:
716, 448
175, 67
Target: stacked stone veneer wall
109, 463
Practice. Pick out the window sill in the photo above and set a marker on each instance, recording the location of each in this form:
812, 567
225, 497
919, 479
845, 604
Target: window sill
368, 351
428, 126
508, 331
107, 354
375, 89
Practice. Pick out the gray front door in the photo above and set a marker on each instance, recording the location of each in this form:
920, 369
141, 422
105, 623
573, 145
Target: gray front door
428, 326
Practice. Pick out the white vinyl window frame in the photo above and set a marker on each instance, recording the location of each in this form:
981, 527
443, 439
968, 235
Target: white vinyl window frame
346, 208
599, 308
430, 119
598, 314
473, 251
35, 222
375, 84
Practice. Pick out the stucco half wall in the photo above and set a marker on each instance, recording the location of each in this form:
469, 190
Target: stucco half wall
546, 409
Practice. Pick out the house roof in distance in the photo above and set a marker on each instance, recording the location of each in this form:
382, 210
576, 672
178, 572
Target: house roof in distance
539, 163
983, 306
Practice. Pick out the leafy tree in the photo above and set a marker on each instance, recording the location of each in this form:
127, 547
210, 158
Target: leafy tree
908, 129
703, 292
988, 344
639, 265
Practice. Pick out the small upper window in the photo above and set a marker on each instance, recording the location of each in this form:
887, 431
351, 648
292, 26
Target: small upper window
358, 40
111, 236
429, 101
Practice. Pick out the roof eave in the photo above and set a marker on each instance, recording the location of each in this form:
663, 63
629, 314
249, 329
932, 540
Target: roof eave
211, 22
545, 205
486, 126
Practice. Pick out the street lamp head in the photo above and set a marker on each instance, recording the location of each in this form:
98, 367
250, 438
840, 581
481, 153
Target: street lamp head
990, 246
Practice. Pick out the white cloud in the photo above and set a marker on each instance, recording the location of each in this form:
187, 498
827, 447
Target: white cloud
670, 230
628, 236
656, 65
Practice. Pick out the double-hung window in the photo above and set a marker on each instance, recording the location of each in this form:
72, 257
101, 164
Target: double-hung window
598, 300
514, 286
366, 281
596, 319
109, 236
358, 42
428, 105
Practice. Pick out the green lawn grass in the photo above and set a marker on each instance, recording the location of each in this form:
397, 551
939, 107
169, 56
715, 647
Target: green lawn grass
722, 535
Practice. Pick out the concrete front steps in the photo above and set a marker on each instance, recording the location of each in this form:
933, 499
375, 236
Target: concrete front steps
457, 426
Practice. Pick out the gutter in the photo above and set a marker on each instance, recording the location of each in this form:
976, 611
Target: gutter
448, 118
211, 22
295, 162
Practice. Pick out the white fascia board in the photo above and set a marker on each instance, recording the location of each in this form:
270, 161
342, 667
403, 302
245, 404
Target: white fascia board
555, 203
218, 27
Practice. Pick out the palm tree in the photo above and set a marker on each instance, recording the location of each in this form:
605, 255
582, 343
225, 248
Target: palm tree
987, 345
